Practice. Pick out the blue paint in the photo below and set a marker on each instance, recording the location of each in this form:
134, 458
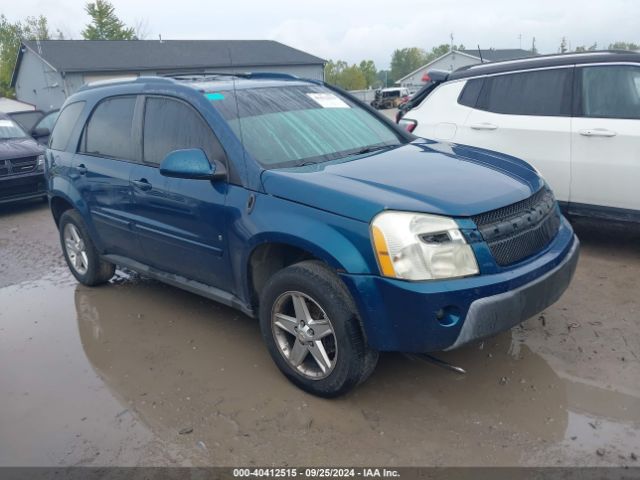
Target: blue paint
214, 96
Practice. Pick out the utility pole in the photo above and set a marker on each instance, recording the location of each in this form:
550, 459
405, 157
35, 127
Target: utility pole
451, 47
520, 39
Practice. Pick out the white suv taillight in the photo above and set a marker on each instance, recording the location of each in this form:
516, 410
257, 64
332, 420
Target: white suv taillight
408, 124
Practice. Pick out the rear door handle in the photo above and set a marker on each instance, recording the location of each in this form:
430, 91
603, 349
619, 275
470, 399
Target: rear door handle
82, 170
597, 132
142, 184
483, 126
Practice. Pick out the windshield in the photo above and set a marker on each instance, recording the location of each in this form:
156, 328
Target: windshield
10, 129
300, 125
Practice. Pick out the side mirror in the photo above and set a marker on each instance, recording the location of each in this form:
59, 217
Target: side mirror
189, 163
40, 132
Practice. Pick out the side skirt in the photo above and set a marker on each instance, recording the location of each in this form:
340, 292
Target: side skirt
192, 286
596, 211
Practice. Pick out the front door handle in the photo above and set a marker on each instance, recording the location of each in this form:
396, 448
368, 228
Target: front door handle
483, 126
82, 170
143, 184
597, 132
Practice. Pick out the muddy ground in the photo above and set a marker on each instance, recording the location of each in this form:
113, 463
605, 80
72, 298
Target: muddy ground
138, 373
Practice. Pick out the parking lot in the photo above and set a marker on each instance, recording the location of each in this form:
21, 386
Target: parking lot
138, 373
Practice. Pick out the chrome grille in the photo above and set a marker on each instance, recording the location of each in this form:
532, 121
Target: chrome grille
520, 230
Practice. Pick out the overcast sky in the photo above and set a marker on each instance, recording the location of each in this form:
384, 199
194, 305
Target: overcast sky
372, 29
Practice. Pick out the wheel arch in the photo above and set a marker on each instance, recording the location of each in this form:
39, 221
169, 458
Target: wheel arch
272, 253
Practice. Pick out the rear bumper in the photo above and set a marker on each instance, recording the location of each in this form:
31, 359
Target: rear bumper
15, 188
441, 315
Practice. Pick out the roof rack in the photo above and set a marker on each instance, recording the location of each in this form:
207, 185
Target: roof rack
123, 80
202, 76
544, 61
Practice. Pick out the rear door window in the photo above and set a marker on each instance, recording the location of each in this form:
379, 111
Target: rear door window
173, 125
108, 132
470, 93
542, 93
64, 125
610, 91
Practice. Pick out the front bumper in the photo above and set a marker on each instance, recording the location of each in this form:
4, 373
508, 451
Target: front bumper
441, 315
491, 315
15, 188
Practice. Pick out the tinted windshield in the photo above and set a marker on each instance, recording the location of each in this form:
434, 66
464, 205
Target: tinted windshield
10, 129
295, 125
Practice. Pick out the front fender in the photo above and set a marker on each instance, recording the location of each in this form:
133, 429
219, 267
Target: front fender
343, 243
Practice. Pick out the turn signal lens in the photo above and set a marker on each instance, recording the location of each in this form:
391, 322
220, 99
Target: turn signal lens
382, 253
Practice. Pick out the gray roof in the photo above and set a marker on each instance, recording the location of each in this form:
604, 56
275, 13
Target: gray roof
499, 55
113, 55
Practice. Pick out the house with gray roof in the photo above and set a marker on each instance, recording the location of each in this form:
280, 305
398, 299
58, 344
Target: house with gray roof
48, 71
455, 59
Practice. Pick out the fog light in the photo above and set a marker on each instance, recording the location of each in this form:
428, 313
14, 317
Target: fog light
448, 316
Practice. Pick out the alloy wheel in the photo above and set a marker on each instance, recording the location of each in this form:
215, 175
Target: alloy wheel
304, 335
75, 249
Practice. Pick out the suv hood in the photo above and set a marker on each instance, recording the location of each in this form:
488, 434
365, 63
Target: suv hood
423, 176
19, 147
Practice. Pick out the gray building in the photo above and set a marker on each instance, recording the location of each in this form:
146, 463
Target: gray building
48, 71
460, 58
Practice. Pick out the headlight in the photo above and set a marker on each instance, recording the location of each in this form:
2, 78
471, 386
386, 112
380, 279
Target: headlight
40, 162
416, 246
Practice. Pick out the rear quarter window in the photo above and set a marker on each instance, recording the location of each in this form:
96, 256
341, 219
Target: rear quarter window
470, 93
64, 125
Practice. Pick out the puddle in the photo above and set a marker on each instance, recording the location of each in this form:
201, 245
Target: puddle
113, 374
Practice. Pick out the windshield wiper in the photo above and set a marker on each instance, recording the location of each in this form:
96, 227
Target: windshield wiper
338, 156
371, 148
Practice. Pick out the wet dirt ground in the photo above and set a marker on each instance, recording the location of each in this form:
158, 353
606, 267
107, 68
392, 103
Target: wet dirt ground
138, 373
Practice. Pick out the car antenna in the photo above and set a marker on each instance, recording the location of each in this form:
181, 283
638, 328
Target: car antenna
480, 53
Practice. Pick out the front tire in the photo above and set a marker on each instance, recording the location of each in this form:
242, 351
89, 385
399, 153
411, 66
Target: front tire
80, 253
310, 326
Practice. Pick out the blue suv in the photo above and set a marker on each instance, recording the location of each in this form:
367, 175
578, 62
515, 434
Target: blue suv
297, 204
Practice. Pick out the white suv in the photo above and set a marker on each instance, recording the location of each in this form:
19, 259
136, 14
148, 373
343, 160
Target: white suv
575, 118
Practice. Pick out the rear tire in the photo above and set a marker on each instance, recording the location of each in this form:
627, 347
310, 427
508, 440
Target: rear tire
321, 350
80, 253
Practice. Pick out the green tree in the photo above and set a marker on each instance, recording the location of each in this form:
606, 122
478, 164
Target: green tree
11, 33
348, 77
368, 69
105, 25
439, 51
383, 77
352, 78
406, 60
333, 70
624, 46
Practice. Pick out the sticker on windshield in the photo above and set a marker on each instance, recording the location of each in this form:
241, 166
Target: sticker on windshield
327, 100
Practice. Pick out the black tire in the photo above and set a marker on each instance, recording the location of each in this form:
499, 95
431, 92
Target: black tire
98, 271
354, 360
